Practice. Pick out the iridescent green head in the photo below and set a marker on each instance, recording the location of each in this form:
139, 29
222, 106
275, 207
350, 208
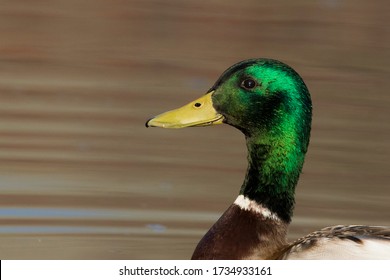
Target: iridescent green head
263, 96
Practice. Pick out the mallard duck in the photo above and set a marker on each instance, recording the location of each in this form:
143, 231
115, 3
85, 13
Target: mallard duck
270, 104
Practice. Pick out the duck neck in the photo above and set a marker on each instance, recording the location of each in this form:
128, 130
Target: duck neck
273, 172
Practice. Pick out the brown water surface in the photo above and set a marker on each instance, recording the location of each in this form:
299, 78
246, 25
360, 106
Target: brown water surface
82, 178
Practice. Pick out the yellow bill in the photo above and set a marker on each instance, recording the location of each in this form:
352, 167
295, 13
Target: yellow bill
196, 113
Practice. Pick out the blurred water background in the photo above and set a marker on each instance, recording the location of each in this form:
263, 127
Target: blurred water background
82, 178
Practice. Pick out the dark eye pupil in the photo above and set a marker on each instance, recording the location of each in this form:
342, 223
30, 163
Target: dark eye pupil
248, 83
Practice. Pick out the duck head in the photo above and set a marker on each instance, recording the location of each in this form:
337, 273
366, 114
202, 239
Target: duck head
257, 96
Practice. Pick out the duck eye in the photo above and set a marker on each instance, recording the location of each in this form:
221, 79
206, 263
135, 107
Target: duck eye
248, 84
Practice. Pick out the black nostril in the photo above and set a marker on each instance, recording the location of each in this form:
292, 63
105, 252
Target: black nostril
197, 104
